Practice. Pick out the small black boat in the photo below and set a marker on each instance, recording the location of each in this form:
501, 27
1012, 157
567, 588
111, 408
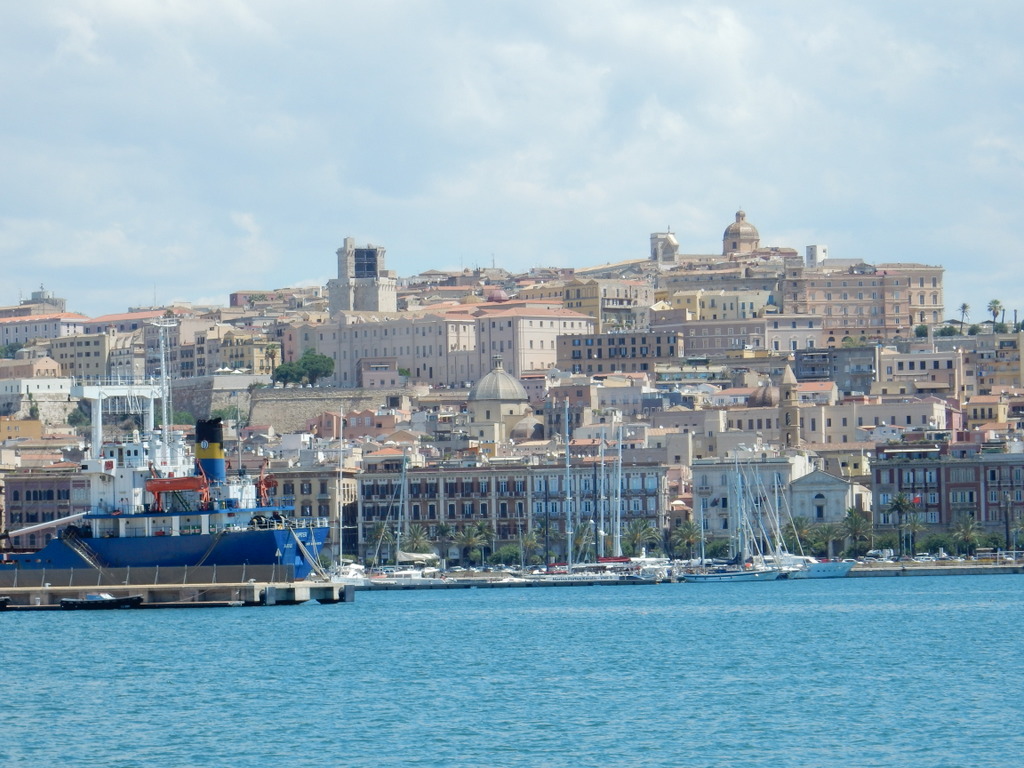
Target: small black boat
4, 602
100, 601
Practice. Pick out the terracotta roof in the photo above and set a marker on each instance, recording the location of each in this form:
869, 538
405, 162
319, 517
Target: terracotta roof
43, 318
816, 386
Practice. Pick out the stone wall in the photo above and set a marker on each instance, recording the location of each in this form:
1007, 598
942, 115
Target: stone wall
288, 410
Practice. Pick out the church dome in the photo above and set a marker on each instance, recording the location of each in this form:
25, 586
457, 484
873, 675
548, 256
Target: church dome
740, 236
498, 385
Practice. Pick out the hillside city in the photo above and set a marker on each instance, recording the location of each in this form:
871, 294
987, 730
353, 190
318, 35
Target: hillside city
512, 416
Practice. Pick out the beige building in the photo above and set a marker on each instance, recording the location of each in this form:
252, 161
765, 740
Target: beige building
83, 357
601, 353
703, 304
859, 301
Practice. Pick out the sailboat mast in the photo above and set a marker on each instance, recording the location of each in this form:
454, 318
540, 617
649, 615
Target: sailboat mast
601, 502
617, 522
568, 495
401, 510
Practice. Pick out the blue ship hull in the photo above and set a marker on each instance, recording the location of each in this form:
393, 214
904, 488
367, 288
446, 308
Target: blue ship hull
243, 547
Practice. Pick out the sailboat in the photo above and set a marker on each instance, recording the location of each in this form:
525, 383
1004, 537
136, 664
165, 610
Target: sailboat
418, 576
793, 566
738, 569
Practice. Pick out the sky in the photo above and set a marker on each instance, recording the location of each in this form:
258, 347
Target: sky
155, 151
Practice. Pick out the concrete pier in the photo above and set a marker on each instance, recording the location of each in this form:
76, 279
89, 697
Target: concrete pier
48, 596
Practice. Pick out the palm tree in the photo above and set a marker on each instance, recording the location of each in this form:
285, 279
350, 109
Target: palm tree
687, 534
381, 534
965, 312
639, 533
900, 506
416, 539
467, 540
271, 354
995, 307
443, 536
487, 534
826, 533
856, 527
529, 544
583, 541
915, 524
966, 531
798, 530
548, 537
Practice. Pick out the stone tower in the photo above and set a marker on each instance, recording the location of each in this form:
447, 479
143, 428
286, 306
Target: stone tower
363, 284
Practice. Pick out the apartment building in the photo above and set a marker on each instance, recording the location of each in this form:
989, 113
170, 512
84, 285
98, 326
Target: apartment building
515, 497
987, 486
602, 353
857, 300
22, 330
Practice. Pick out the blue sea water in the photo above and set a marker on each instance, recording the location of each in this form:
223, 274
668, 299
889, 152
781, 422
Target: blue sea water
856, 672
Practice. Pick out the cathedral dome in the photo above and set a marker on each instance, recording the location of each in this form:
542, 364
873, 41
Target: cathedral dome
740, 236
498, 385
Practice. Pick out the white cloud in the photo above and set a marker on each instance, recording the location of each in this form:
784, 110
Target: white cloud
210, 146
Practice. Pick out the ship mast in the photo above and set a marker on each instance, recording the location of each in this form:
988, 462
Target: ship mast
568, 494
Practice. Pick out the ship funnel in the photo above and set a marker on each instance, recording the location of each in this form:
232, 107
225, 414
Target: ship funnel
210, 448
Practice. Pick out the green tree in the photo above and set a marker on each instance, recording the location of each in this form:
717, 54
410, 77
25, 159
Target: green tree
443, 537
638, 534
965, 312
415, 539
8, 351
974, 330
857, 528
271, 354
688, 534
315, 366
381, 535
468, 540
901, 506
994, 308
487, 535
966, 532
507, 554
797, 531
583, 542
288, 373
921, 331
78, 418
529, 544
915, 524
716, 548
824, 534
946, 330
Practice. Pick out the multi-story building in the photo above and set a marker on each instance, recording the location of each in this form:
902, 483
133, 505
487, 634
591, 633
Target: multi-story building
85, 356
612, 303
987, 486
702, 304
862, 301
32, 497
603, 353
515, 497
711, 338
730, 494
853, 369
940, 372
22, 330
525, 336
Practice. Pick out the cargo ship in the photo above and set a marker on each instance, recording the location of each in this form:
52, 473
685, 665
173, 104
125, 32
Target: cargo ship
156, 503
